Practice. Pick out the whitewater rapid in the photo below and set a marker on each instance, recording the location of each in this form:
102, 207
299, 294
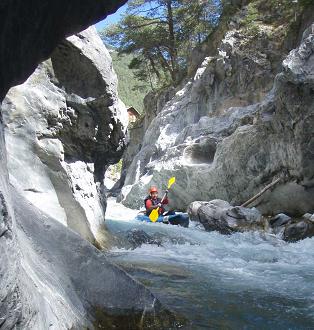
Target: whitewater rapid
245, 280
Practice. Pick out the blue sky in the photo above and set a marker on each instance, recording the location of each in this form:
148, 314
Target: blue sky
111, 18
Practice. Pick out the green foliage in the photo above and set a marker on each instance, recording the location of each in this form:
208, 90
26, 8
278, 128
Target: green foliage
119, 166
273, 13
131, 90
251, 20
160, 34
306, 3
114, 171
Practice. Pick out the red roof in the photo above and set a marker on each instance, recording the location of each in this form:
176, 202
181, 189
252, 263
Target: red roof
131, 110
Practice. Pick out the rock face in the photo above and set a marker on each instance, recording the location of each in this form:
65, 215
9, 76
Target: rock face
45, 282
71, 285
231, 153
153, 104
219, 215
244, 54
64, 127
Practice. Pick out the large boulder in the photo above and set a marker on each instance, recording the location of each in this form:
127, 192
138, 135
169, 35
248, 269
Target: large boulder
64, 127
219, 215
72, 285
298, 230
233, 153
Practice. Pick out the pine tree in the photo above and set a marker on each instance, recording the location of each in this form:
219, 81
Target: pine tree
160, 34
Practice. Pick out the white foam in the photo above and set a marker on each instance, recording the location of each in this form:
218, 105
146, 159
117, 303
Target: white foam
240, 261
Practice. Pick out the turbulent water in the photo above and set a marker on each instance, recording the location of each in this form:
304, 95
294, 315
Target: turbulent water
242, 281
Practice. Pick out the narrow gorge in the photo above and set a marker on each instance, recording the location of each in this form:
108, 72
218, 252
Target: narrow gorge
237, 123
243, 120
61, 129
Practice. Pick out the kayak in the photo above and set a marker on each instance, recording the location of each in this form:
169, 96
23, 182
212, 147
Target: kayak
181, 219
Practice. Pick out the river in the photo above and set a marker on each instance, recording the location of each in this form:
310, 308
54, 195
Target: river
242, 281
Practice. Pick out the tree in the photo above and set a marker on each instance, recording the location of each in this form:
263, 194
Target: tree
160, 34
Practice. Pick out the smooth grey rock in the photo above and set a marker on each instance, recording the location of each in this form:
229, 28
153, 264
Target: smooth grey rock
18, 59
219, 215
66, 116
73, 285
11, 297
279, 220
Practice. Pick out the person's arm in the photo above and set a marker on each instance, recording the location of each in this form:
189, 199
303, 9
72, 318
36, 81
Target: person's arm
165, 200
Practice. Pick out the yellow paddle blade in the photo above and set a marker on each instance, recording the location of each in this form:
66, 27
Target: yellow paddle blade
171, 181
154, 215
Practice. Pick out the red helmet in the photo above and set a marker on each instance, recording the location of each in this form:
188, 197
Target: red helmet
153, 189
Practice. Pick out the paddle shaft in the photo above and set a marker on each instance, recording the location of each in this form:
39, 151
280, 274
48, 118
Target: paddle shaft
163, 198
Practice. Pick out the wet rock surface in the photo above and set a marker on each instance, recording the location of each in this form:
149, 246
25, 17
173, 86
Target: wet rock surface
73, 285
137, 237
298, 230
219, 215
278, 223
279, 220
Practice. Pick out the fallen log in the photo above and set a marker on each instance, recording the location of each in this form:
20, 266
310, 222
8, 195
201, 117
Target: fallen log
251, 200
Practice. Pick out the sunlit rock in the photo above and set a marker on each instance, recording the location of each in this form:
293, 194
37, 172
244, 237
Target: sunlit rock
71, 284
234, 153
64, 126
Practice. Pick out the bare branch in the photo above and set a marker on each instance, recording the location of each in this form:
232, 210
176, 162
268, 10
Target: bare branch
146, 24
251, 200
136, 12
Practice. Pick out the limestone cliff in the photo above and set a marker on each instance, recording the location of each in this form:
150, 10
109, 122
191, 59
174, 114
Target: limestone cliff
49, 276
64, 126
225, 134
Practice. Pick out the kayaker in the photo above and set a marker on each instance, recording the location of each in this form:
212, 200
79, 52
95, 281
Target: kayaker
152, 201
